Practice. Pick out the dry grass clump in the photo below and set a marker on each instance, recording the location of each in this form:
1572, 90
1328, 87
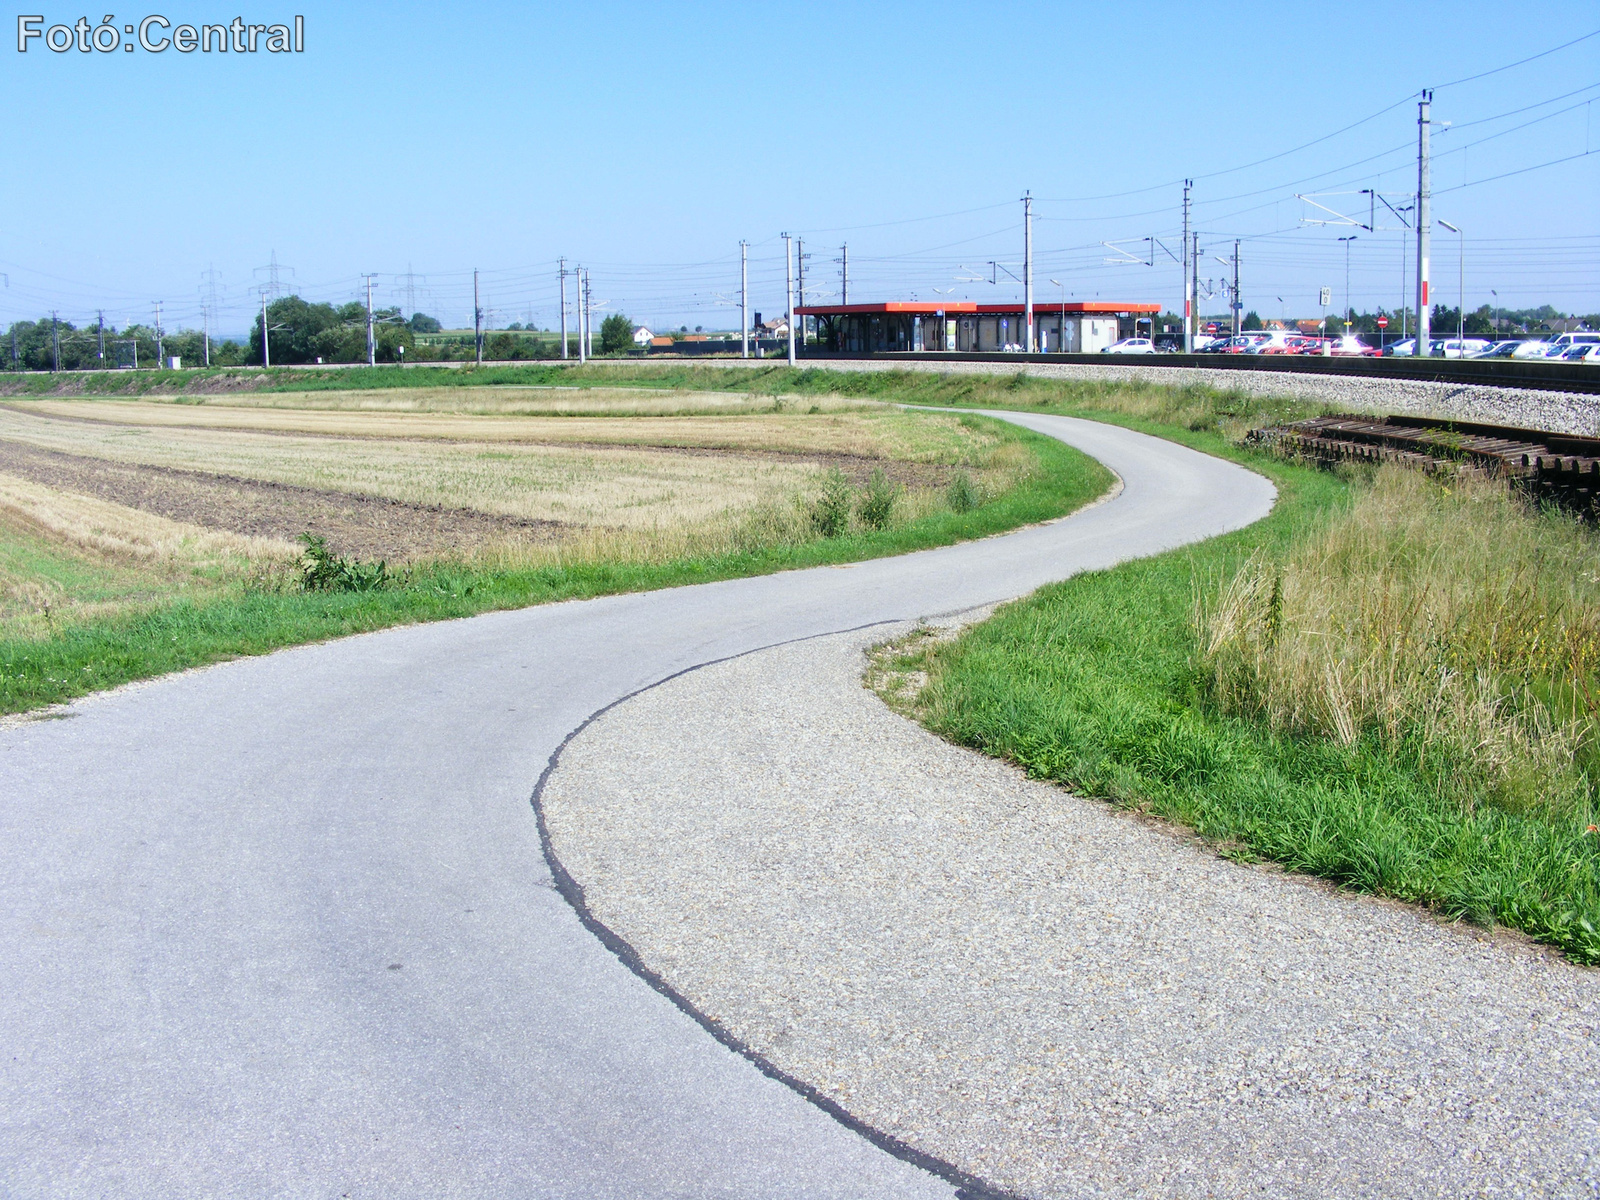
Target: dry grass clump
776, 519
1441, 619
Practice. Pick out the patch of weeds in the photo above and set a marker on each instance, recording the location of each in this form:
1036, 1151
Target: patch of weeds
830, 513
321, 570
962, 494
877, 501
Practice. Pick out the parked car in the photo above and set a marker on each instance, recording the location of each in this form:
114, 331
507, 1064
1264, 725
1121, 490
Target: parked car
1402, 349
1231, 345
1262, 339
1350, 346
1515, 348
1558, 346
1295, 344
1583, 352
1458, 347
1133, 345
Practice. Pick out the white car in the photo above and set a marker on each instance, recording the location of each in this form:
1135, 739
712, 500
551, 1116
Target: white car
1558, 346
1460, 347
1514, 349
1131, 346
1583, 352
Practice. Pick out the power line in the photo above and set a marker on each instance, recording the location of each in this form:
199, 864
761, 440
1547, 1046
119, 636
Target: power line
1520, 171
1520, 61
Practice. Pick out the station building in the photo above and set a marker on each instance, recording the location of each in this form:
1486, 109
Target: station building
1072, 327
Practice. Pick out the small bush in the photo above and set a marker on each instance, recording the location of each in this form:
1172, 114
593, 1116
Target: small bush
877, 502
830, 513
961, 495
321, 570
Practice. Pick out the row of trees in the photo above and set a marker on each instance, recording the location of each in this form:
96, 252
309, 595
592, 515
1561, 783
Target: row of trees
38, 345
298, 332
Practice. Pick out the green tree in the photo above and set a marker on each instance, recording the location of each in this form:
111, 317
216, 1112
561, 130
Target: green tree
616, 334
1252, 320
422, 323
297, 332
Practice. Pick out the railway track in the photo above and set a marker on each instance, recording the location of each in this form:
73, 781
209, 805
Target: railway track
1556, 467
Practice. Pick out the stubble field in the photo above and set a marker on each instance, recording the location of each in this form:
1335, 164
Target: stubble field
115, 505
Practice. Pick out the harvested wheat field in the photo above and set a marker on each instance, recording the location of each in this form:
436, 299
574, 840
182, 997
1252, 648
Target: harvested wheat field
143, 496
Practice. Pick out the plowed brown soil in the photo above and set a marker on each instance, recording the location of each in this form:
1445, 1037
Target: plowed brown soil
361, 526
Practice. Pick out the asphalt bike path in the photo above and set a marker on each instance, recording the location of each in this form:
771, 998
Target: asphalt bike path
284, 927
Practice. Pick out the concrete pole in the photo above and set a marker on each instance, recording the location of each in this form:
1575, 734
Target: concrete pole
372, 341
161, 359
1188, 283
1424, 219
1027, 272
477, 321
1194, 277
583, 350
788, 292
744, 298
844, 273
563, 263
1238, 318
266, 348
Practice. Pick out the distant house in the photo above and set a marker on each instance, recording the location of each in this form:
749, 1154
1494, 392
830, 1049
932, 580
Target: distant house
660, 341
778, 327
642, 335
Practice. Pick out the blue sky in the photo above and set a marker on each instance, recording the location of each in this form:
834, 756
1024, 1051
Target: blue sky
646, 141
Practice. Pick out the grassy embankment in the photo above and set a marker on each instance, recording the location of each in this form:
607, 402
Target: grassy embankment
158, 599
1389, 683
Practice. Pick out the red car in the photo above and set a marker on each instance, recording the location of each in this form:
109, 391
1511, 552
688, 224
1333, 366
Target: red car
1350, 346
1345, 346
1294, 345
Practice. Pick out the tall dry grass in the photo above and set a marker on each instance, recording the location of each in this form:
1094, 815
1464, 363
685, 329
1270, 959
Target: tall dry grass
1442, 619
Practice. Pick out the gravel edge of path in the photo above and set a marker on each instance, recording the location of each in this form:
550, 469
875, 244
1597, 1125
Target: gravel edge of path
1177, 1177
968, 1186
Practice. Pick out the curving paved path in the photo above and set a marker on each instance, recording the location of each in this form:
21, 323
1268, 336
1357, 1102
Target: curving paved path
283, 927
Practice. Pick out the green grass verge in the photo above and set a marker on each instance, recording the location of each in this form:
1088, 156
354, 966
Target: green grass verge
97, 654
1095, 684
